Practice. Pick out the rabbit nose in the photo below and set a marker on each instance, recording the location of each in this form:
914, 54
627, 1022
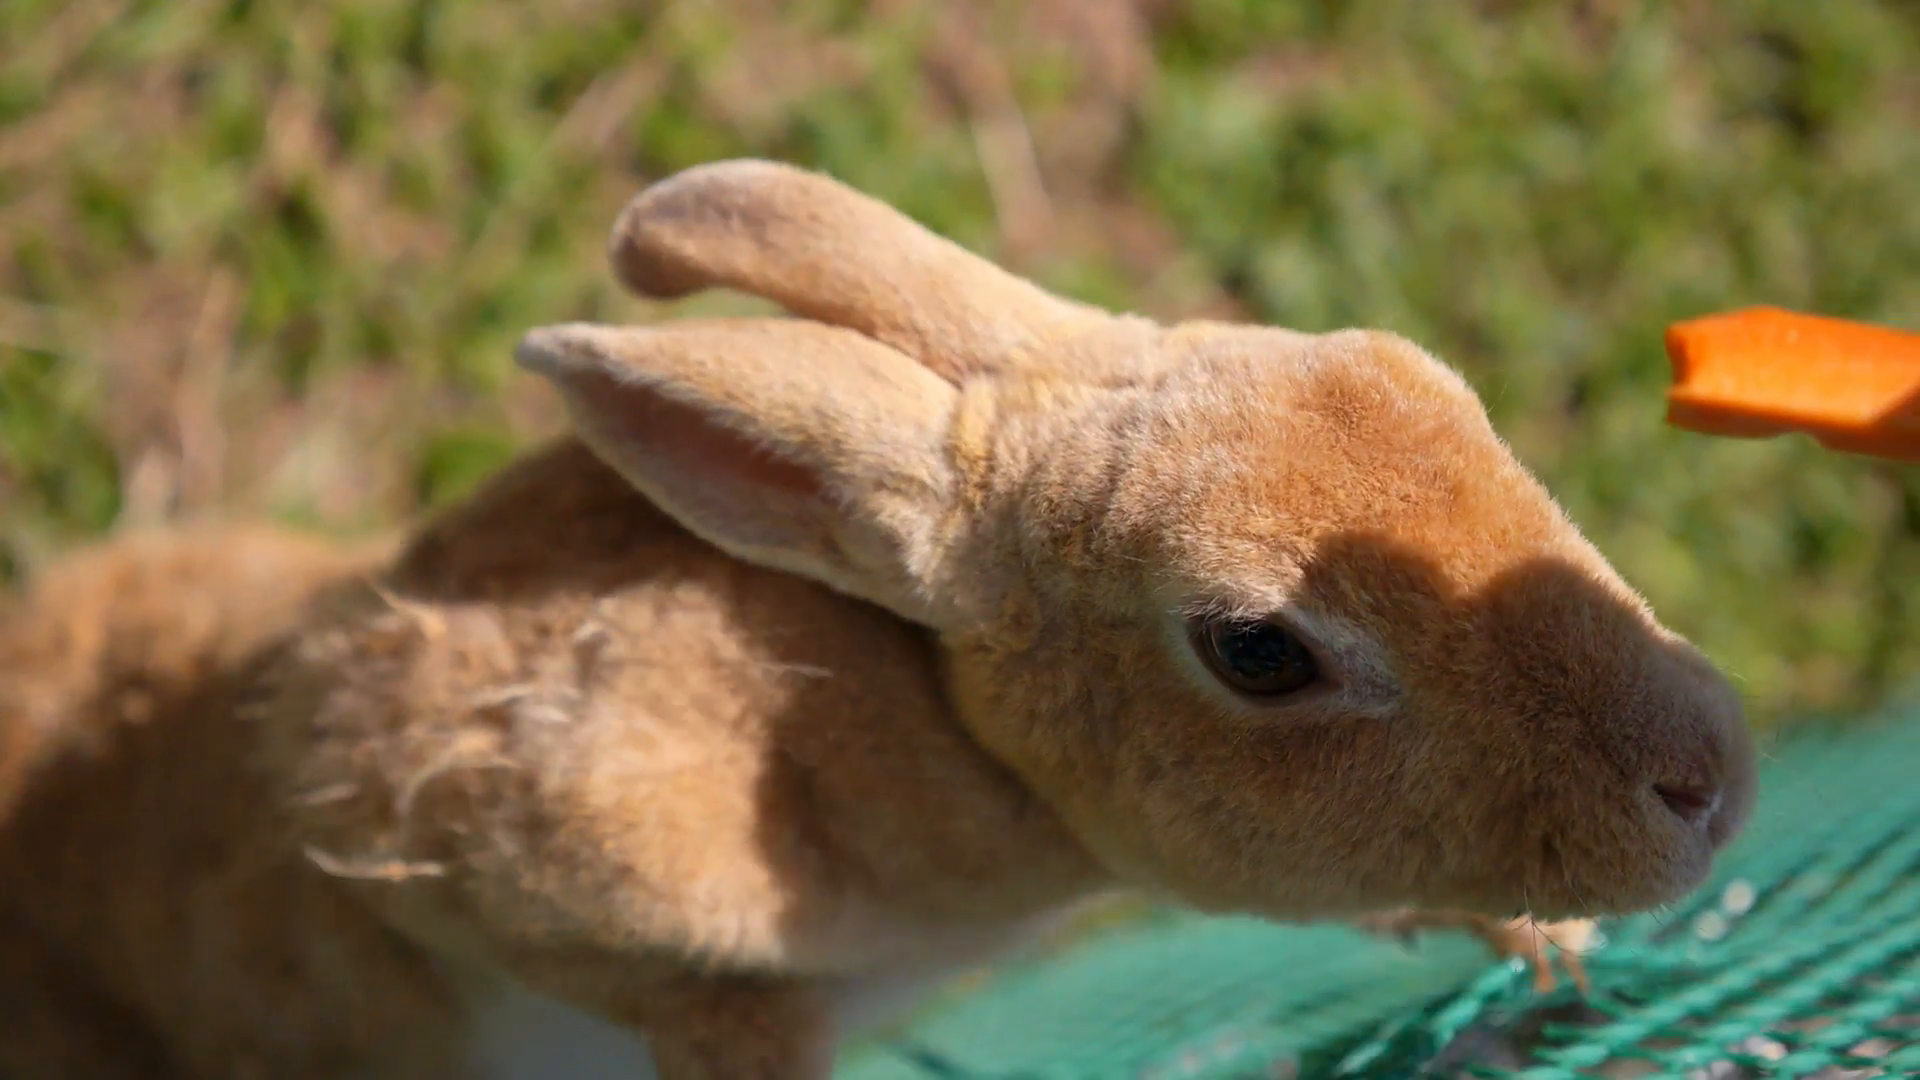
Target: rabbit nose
1691, 803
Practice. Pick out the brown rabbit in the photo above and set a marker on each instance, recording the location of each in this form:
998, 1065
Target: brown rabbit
1254, 620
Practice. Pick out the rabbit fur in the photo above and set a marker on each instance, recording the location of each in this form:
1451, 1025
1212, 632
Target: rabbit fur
836, 649
152, 923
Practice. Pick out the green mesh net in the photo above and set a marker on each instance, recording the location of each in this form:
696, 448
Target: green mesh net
1800, 959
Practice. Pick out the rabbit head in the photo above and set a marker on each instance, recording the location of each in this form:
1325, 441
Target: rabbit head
1274, 621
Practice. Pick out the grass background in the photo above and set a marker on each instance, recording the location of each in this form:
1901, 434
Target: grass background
270, 256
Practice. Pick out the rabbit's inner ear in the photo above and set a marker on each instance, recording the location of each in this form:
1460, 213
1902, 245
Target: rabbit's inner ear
707, 446
790, 445
718, 482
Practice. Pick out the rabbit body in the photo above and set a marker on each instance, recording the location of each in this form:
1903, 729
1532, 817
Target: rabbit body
555, 713
600, 755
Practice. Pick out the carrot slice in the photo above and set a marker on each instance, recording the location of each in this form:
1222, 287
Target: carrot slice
1760, 372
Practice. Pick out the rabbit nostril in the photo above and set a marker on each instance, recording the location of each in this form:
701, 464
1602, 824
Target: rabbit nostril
1689, 803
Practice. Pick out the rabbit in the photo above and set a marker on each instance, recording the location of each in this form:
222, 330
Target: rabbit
832, 651
1250, 620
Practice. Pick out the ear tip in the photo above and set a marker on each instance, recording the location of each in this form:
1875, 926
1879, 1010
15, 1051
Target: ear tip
673, 193
715, 186
642, 242
638, 264
557, 349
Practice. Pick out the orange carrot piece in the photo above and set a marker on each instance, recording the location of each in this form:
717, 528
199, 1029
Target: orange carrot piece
1760, 372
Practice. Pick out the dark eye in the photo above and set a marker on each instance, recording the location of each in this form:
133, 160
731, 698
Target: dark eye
1262, 658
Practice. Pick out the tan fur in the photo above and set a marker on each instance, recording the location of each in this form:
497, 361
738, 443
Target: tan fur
606, 749
850, 645
153, 923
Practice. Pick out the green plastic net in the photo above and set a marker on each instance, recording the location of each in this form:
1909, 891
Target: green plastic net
1800, 959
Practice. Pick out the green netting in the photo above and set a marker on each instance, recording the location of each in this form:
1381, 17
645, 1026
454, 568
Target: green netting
1800, 959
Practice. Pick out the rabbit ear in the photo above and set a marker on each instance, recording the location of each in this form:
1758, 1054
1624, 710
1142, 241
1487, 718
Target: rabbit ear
805, 448
827, 252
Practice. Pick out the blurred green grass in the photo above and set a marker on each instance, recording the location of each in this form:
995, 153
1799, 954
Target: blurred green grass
265, 256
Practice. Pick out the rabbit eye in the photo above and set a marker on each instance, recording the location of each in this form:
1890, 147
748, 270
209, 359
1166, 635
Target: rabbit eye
1262, 659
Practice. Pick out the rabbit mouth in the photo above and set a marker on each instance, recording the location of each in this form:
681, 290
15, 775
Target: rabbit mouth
1678, 865
1664, 885
1724, 825
1663, 858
